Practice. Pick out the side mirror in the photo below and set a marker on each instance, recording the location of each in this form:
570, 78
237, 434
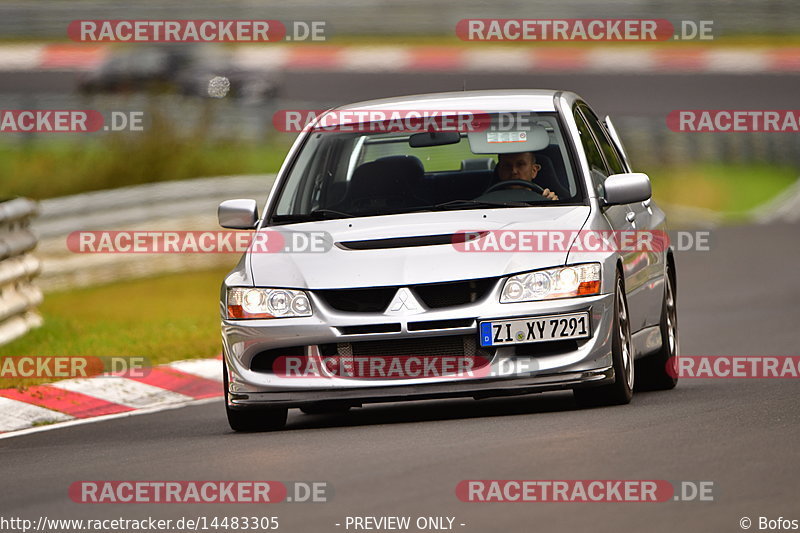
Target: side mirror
238, 214
627, 188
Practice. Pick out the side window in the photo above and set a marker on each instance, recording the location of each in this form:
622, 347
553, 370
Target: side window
612, 157
597, 167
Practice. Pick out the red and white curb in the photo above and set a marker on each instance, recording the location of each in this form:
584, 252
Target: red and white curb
51, 56
78, 400
477, 57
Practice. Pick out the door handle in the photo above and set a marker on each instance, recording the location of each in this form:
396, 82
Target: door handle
631, 216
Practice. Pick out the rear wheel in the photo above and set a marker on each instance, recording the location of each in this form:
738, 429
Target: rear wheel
621, 391
653, 370
252, 419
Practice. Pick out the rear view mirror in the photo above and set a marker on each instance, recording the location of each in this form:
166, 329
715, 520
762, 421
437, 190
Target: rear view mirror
434, 138
627, 188
238, 214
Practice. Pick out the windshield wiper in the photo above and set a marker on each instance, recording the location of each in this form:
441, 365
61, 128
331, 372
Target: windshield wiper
326, 213
461, 204
316, 214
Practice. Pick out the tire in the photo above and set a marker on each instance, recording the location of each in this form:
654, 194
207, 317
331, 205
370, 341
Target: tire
621, 391
325, 408
652, 370
252, 419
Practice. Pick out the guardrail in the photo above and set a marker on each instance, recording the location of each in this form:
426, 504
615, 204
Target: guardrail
189, 205
19, 297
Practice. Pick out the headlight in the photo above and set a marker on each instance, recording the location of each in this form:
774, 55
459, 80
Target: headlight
246, 302
563, 282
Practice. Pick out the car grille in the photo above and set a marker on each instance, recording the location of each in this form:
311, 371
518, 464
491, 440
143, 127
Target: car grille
438, 295
442, 350
433, 295
439, 351
373, 300
368, 328
455, 345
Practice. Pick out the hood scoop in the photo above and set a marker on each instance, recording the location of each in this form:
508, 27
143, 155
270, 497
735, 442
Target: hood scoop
409, 242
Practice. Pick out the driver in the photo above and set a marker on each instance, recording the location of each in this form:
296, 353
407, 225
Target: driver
521, 166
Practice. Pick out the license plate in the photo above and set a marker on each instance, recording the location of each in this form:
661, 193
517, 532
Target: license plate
534, 329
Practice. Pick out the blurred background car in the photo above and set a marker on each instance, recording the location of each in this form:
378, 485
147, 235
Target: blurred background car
184, 69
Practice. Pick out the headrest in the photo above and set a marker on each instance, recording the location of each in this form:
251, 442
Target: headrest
391, 174
478, 164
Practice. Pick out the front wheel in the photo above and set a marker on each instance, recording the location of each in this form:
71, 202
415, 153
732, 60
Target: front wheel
252, 419
621, 391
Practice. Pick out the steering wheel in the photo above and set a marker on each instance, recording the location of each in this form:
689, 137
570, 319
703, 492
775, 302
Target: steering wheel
510, 183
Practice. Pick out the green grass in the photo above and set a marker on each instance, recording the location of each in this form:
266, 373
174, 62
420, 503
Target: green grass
41, 423
49, 168
731, 190
163, 319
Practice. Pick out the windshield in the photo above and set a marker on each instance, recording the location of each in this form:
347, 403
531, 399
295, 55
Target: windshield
373, 172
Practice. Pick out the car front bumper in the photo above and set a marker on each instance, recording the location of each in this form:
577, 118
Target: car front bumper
585, 362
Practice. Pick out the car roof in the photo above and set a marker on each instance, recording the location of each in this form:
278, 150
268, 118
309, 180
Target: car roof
541, 100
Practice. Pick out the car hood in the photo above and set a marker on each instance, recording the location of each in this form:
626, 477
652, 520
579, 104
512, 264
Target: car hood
340, 267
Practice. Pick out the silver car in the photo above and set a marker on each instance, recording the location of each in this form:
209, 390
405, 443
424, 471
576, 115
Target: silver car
476, 258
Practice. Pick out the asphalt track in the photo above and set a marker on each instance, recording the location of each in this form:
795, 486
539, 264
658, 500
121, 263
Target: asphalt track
406, 459
616, 94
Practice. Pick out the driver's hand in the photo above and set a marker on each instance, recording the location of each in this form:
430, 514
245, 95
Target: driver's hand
550, 195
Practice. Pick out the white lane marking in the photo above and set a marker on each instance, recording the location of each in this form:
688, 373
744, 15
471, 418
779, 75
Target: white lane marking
261, 57
81, 421
380, 58
21, 57
736, 61
16, 415
497, 59
620, 60
204, 368
122, 391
